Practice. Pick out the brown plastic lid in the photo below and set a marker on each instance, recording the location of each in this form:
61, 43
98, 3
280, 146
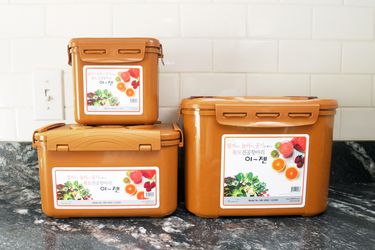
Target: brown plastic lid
262, 111
209, 102
74, 137
150, 42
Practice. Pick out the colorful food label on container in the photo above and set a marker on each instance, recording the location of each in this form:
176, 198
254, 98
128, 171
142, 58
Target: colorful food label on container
113, 90
105, 187
263, 171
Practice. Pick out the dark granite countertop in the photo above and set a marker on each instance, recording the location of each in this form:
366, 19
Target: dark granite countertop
348, 223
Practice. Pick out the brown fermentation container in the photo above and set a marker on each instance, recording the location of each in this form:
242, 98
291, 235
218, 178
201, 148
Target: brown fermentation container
115, 80
254, 156
90, 171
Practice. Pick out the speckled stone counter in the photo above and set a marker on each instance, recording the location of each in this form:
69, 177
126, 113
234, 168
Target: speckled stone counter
348, 223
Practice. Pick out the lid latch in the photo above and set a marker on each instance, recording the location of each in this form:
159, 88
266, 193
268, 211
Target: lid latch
62, 147
145, 147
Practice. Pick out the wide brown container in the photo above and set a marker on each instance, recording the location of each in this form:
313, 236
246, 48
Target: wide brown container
115, 80
108, 170
253, 156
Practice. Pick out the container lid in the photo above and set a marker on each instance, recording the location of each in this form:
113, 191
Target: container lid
74, 137
113, 50
262, 112
209, 102
150, 42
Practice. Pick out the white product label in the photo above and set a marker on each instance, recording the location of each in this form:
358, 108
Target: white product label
113, 90
263, 171
105, 187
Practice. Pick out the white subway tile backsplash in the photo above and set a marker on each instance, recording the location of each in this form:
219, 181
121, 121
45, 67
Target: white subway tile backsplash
15, 90
358, 57
78, 20
349, 90
202, 20
213, 84
26, 124
360, 2
279, 21
169, 89
278, 85
29, 54
247, 1
187, 55
309, 56
161, 20
316, 2
5, 56
69, 115
21, 21
358, 124
7, 125
245, 55
212, 47
40, 1
168, 115
343, 23
68, 89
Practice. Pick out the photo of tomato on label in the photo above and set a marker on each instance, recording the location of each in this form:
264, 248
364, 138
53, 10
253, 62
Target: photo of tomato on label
263, 170
140, 183
112, 89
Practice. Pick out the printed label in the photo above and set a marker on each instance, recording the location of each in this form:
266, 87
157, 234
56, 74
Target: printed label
263, 171
105, 187
113, 90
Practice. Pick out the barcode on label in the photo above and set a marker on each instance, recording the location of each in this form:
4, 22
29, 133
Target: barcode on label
149, 194
133, 100
295, 189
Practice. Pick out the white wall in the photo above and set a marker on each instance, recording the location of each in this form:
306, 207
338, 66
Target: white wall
219, 47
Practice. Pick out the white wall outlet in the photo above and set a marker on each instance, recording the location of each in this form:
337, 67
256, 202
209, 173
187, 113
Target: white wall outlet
47, 94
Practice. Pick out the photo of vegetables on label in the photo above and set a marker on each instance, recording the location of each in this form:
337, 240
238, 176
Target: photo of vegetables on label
112, 187
114, 90
263, 171
72, 191
244, 185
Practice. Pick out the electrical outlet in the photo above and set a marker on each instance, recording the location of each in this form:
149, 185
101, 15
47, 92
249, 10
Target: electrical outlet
47, 94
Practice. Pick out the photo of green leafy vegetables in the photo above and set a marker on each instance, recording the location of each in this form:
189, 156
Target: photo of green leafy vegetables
72, 191
102, 98
244, 185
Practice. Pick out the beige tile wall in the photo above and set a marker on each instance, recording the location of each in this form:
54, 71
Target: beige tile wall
212, 47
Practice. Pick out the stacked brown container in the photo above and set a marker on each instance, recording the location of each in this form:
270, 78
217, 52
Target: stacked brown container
118, 160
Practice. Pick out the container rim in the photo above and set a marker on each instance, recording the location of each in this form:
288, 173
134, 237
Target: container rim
209, 102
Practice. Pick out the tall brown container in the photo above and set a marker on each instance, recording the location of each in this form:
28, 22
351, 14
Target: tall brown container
252, 156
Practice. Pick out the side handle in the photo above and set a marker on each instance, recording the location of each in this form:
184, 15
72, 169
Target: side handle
177, 128
44, 129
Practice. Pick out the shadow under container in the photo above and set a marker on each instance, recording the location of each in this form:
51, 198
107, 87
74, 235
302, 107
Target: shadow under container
108, 170
115, 80
257, 156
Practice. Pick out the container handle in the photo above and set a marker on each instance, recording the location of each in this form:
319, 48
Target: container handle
44, 129
69, 55
161, 55
177, 128
267, 116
